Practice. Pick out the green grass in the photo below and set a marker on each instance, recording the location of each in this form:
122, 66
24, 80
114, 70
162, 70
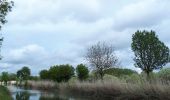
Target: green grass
4, 93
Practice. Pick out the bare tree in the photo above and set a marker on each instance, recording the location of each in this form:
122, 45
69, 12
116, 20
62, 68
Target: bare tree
101, 56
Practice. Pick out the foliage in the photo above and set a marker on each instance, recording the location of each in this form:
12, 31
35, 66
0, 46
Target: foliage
101, 56
5, 77
118, 72
24, 73
5, 94
35, 78
150, 52
12, 76
82, 72
44, 74
5, 7
61, 73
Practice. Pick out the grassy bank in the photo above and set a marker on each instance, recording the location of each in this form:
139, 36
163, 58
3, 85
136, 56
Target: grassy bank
110, 89
4, 93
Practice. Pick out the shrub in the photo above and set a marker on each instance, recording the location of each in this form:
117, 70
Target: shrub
44, 74
61, 73
82, 72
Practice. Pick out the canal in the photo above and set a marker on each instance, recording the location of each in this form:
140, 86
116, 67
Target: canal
28, 94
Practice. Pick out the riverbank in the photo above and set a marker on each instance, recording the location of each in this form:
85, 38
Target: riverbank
108, 90
4, 93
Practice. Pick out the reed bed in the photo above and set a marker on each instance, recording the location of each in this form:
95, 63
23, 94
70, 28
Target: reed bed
110, 89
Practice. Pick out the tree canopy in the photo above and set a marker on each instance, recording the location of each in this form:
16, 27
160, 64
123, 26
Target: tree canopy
150, 52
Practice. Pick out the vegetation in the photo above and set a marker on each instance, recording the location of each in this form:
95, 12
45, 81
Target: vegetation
164, 74
59, 73
116, 83
44, 74
23, 74
118, 72
82, 72
150, 52
5, 77
4, 93
5, 8
101, 56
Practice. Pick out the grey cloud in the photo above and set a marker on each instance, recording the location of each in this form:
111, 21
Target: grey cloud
142, 14
61, 30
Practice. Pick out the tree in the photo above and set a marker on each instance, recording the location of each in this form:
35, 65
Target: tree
5, 77
82, 72
61, 73
23, 74
44, 74
150, 52
5, 7
101, 56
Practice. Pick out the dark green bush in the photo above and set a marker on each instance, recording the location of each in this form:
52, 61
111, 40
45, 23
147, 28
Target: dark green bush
61, 73
82, 72
44, 74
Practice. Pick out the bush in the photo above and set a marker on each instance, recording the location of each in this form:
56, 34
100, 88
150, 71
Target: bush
61, 73
82, 72
44, 74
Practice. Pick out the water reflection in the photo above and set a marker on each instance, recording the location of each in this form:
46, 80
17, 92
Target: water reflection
22, 94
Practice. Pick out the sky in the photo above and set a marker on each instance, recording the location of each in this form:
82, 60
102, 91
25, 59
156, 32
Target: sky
42, 33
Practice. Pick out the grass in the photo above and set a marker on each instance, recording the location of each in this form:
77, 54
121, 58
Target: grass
110, 89
4, 93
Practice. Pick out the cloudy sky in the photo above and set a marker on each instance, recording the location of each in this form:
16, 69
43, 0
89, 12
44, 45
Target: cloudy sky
41, 33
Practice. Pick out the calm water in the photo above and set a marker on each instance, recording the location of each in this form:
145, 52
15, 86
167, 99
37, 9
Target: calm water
23, 94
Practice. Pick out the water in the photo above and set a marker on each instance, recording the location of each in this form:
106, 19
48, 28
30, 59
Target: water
27, 94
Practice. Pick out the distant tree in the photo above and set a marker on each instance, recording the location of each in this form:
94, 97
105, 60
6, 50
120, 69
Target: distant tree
150, 52
61, 73
12, 76
44, 74
5, 7
23, 74
82, 72
5, 77
101, 56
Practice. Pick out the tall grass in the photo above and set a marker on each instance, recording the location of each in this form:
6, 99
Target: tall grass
112, 89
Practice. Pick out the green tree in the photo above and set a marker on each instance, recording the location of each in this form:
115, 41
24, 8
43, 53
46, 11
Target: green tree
82, 72
44, 74
23, 74
5, 77
61, 73
150, 52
